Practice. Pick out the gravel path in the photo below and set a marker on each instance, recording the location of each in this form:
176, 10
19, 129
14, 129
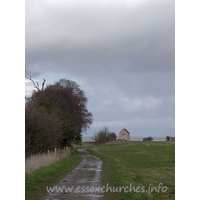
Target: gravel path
83, 181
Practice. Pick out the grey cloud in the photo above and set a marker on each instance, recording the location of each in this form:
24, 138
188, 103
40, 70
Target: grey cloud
104, 36
122, 56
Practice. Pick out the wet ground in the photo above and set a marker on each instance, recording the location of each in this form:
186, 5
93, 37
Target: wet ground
83, 182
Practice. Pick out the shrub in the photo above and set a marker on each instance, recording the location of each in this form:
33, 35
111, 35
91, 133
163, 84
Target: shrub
168, 138
102, 136
148, 139
112, 136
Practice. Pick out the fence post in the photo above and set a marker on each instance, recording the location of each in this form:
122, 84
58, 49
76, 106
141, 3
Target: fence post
55, 152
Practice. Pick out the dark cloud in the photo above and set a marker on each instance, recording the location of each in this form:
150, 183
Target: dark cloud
122, 54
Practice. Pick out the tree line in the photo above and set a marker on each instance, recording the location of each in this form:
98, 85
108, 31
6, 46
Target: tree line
55, 116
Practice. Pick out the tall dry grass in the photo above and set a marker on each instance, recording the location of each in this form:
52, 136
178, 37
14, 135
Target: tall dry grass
44, 159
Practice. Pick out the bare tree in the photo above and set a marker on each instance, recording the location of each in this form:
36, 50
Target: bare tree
42, 130
36, 86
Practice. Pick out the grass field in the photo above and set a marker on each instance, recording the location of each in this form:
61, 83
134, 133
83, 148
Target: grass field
36, 182
140, 164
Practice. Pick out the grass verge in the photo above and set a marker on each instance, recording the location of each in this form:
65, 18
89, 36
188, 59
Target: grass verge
36, 182
140, 164
44, 159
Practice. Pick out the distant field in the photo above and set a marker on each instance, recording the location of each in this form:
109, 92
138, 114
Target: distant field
140, 164
89, 139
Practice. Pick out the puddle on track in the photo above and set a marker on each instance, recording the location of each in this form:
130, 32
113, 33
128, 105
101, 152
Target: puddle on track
87, 174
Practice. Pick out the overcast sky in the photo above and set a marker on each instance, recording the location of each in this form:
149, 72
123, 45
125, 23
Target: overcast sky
121, 53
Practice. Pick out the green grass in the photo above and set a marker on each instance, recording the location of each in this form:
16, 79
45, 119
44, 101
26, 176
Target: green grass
140, 164
36, 182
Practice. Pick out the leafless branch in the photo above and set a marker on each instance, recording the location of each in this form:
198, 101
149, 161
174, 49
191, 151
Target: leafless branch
28, 99
28, 76
35, 85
